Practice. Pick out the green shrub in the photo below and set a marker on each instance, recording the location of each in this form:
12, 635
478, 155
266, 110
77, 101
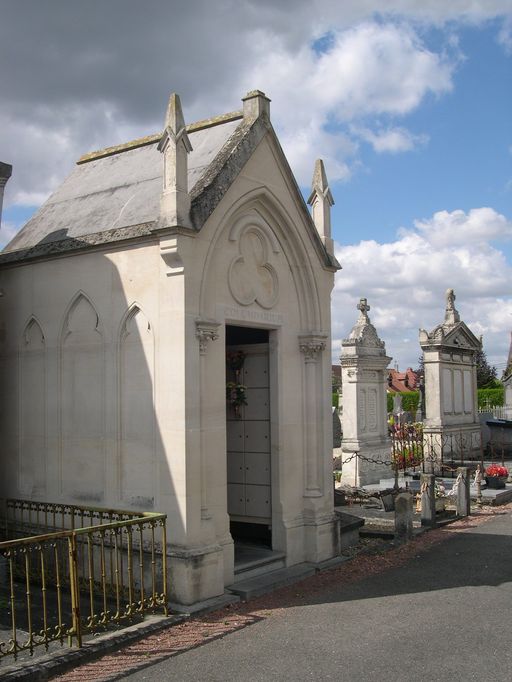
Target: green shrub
335, 399
490, 397
410, 400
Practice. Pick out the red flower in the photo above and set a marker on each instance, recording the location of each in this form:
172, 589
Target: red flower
496, 471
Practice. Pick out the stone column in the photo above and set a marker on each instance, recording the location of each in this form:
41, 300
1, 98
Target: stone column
311, 345
206, 331
364, 380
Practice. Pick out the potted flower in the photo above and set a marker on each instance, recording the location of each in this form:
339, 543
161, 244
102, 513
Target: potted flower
496, 476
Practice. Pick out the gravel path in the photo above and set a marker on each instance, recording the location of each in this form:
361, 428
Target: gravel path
272, 615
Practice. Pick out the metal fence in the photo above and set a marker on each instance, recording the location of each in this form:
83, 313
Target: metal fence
68, 571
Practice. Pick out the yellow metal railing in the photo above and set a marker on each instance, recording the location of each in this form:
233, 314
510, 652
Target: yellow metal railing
90, 569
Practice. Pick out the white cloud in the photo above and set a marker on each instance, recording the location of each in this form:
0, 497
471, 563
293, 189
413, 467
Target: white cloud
392, 140
368, 70
405, 282
458, 228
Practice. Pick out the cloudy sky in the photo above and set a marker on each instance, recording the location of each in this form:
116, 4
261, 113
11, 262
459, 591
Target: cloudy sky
408, 102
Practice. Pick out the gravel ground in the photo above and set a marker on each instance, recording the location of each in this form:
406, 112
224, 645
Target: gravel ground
372, 557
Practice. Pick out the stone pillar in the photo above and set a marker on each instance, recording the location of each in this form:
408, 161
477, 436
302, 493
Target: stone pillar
451, 426
206, 330
311, 345
364, 379
403, 517
463, 494
428, 500
5, 174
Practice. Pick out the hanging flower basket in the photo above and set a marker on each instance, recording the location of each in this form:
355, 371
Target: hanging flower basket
236, 396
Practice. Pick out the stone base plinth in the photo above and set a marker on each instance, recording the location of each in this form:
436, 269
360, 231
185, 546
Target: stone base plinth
195, 574
358, 471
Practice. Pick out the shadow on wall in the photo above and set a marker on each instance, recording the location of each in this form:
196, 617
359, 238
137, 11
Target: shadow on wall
80, 365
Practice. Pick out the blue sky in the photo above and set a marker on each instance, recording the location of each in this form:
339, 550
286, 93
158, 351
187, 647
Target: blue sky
408, 102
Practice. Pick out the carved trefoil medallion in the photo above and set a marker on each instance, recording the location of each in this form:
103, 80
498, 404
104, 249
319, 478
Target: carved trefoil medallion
252, 278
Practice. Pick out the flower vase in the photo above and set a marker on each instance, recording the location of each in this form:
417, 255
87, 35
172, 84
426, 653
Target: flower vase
496, 482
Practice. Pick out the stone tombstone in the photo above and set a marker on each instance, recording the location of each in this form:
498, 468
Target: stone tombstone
364, 377
463, 493
428, 500
397, 404
403, 517
451, 425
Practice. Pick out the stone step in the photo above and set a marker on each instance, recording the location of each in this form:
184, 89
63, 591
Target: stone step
254, 587
259, 566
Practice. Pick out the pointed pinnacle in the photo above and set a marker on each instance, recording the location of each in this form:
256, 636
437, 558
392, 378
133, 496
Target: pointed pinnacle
320, 185
319, 177
174, 119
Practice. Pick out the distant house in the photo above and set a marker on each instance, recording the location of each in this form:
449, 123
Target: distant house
403, 382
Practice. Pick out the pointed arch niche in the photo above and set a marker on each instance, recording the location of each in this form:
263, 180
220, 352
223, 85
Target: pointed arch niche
137, 425
32, 410
82, 402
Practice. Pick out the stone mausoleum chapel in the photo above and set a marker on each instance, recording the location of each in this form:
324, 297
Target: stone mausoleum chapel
165, 345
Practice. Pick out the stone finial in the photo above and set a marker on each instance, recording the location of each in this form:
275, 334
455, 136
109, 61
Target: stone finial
321, 201
255, 103
5, 174
451, 315
175, 147
363, 332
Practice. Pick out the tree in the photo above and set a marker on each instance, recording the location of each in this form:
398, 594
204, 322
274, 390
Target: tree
486, 375
420, 370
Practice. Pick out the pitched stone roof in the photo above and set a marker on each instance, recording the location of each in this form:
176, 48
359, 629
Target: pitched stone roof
118, 188
114, 194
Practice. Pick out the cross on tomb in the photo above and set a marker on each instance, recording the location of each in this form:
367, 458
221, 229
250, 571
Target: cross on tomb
363, 306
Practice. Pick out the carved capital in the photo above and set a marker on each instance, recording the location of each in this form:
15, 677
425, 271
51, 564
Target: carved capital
312, 345
206, 330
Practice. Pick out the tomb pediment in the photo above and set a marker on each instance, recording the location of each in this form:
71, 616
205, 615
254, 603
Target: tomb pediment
458, 336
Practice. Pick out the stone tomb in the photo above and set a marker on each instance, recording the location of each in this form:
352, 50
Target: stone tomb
124, 296
451, 425
366, 444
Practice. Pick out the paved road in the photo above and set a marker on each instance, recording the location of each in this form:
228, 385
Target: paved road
446, 616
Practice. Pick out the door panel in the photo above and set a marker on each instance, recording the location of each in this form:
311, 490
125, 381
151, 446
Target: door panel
248, 439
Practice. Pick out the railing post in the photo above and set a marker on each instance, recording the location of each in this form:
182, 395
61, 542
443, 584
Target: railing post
76, 629
164, 565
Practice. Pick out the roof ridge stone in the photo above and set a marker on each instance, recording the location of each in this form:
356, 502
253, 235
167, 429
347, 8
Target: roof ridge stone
152, 139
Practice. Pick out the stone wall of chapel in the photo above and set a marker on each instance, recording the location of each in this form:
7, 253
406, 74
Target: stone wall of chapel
78, 353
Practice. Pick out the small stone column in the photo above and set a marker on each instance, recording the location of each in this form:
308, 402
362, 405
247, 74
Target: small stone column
365, 427
311, 346
428, 500
403, 517
451, 426
206, 331
463, 493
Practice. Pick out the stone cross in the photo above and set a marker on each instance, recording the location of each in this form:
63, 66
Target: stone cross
363, 307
